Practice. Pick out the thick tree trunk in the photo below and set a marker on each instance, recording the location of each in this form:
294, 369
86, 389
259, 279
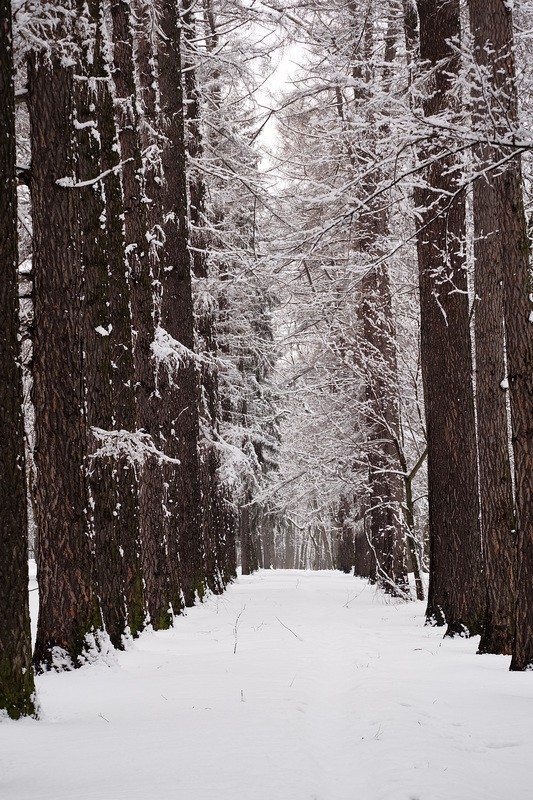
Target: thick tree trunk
455, 591
179, 387
213, 531
69, 608
98, 330
16, 674
118, 555
491, 251
492, 28
140, 207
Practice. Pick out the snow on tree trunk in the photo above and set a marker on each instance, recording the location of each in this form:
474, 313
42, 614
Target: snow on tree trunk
69, 609
455, 591
16, 674
493, 50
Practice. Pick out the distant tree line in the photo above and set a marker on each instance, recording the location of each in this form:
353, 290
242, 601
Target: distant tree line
405, 254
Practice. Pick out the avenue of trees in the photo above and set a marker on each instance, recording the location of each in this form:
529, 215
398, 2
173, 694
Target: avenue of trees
320, 359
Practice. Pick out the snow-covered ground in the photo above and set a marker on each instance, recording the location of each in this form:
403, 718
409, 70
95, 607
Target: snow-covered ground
291, 686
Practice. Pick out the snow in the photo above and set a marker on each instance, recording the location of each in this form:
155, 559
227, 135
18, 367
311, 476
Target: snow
290, 686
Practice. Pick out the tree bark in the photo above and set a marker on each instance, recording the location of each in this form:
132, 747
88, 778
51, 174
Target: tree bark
69, 608
206, 309
161, 570
455, 593
16, 674
492, 23
491, 251
98, 328
179, 389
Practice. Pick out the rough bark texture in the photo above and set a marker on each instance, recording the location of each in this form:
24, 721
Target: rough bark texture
97, 348
162, 569
455, 591
492, 22
150, 487
179, 389
120, 339
16, 674
69, 608
213, 531
491, 250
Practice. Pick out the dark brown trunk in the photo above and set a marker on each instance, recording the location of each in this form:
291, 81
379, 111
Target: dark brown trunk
492, 22
140, 208
455, 591
213, 533
69, 608
16, 673
179, 382
491, 251
378, 349
98, 334
126, 520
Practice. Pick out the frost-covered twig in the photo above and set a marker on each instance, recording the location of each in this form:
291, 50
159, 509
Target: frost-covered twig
71, 183
135, 446
236, 629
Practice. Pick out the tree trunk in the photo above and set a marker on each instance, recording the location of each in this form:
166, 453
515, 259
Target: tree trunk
386, 486
128, 585
98, 331
205, 314
492, 22
141, 191
16, 674
455, 590
69, 608
345, 558
378, 347
249, 561
179, 386
491, 251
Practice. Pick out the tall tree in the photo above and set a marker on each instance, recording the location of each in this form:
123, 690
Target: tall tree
492, 30
455, 591
69, 610
16, 674
155, 569
178, 375
494, 97
214, 526
107, 345
379, 362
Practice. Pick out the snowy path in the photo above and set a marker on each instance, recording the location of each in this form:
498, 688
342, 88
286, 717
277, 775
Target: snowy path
357, 701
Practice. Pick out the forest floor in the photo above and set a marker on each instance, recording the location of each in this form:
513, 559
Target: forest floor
291, 686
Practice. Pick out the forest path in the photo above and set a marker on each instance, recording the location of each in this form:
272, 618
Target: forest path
290, 686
